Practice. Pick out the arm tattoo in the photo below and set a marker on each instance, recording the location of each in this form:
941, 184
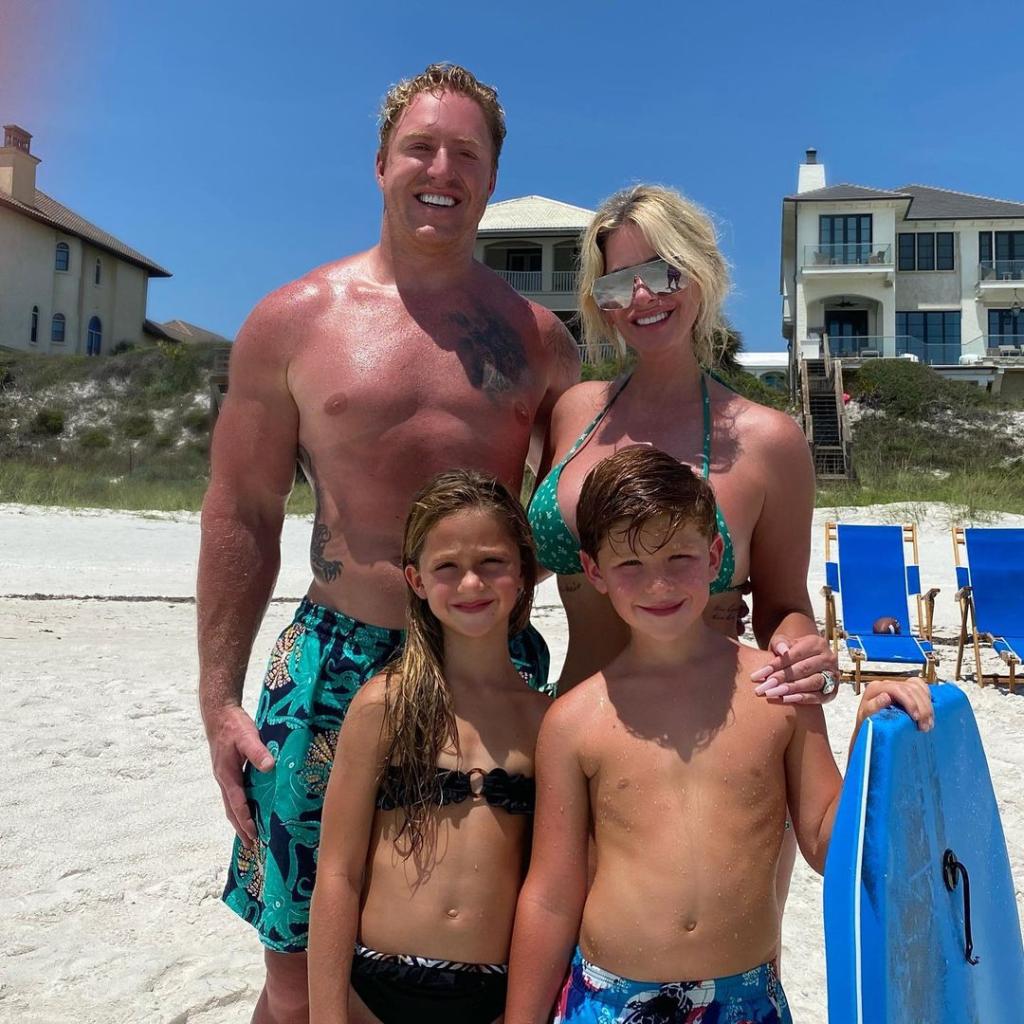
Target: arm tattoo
323, 568
491, 352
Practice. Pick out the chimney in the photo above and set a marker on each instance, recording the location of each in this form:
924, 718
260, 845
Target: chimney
812, 174
18, 165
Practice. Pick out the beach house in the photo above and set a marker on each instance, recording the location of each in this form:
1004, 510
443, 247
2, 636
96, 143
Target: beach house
533, 242
915, 270
66, 286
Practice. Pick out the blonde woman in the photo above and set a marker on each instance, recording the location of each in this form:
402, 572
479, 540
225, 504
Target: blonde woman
652, 278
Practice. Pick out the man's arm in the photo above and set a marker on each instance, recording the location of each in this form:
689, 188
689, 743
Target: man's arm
551, 901
349, 809
564, 371
252, 469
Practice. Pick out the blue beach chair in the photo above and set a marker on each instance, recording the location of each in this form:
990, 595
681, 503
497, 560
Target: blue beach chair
991, 595
875, 582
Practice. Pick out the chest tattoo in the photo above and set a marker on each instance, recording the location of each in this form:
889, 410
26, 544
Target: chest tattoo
324, 569
492, 354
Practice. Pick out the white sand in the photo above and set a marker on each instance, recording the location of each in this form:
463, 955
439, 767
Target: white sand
112, 837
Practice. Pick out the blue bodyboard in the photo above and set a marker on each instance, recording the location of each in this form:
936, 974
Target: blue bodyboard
895, 933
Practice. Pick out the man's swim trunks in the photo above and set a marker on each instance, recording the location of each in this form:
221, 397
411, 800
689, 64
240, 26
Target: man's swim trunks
592, 995
317, 665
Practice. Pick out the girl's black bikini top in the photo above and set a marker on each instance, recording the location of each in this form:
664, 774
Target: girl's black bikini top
515, 794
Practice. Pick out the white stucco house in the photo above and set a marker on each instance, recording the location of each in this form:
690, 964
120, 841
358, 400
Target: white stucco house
533, 242
916, 270
66, 286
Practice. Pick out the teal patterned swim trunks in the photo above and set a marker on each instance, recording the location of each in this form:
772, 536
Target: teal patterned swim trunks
316, 667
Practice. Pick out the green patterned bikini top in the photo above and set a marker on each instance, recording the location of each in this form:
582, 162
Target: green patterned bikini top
559, 551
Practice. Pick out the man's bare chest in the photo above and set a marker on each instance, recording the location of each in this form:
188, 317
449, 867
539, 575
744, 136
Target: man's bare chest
369, 392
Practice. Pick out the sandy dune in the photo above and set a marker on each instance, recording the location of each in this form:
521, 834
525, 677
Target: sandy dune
113, 840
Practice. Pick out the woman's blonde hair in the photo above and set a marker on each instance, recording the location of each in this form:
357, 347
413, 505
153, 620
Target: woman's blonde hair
419, 716
682, 234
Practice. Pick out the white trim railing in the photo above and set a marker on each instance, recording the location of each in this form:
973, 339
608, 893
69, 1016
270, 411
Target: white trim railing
522, 280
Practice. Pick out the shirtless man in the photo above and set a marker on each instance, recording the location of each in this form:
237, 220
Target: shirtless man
376, 372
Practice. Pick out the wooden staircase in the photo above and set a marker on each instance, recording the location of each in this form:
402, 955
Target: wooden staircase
218, 383
824, 416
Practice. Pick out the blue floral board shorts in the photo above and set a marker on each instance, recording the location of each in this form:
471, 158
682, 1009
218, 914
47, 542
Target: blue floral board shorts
316, 667
592, 995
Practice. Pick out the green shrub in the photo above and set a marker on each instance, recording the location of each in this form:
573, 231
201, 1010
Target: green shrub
123, 346
164, 441
94, 439
196, 419
49, 421
901, 387
749, 386
137, 425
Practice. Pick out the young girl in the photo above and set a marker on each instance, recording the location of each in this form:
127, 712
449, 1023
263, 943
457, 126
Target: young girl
427, 817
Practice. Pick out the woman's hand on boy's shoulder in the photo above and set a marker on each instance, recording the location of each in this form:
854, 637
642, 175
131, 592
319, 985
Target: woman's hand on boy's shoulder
913, 695
798, 670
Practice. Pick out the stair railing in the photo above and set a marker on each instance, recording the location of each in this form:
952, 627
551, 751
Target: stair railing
805, 399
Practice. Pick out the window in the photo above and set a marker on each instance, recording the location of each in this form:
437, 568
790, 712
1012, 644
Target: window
1005, 323
63, 258
99, 271
943, 250
34, 334
905, 249
845, 238
932, 337
1002, 253
925, 250
95, 336
57, 329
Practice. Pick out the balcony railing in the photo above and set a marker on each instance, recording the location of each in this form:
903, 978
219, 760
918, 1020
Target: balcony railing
864, 346
1001, 270
1000, 345
878, 346
929, 351
522, 280
602, 354
848, 254
564, 280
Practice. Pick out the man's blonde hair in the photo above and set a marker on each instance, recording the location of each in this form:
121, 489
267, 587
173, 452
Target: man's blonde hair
682, 234
436, 79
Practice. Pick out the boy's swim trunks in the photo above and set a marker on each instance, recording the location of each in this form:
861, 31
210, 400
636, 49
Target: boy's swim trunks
317, 665
592, 995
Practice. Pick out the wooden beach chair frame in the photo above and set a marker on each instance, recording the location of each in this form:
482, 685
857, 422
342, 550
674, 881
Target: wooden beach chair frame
925, 608
968, 613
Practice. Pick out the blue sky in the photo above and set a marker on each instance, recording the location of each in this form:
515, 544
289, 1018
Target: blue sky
233, 143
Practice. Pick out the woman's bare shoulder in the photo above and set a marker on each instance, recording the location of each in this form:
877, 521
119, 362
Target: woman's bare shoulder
770, 433
574, 410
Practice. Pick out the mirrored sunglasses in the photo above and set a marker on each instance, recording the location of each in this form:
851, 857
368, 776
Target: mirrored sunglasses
615, 291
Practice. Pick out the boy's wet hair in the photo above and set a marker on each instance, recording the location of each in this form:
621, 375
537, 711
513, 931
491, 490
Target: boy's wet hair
635, 487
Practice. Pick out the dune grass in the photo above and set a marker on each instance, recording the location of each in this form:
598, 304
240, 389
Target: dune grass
76, 487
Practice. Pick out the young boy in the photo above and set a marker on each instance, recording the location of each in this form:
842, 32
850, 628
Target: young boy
685, 776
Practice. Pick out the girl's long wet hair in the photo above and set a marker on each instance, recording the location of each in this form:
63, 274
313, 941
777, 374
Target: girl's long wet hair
419, 717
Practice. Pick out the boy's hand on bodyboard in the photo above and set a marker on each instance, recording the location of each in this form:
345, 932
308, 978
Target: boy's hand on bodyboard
912, 695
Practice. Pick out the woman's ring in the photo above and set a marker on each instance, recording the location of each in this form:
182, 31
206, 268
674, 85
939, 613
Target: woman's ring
829, 683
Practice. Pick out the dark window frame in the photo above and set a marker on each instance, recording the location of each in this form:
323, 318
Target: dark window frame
931, 330
33, 335
911, 258
58, 329
62, 254
94, 337
99, 271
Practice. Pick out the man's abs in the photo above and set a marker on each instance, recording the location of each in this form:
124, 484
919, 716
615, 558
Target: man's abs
362, 492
